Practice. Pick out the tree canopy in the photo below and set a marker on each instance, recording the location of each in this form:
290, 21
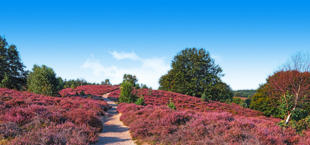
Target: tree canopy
194, 73
12, 73
42, 80
130, 78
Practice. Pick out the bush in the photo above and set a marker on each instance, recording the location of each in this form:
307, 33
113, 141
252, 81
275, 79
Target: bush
237, 100
126, 95
42, 80
204, 97
73, 86
171, 105
82, 93
140, 101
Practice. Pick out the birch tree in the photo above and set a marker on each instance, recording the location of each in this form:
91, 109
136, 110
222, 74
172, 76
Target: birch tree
292, 83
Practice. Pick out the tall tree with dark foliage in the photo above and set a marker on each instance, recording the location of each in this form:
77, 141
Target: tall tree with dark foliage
12, 73
194, 73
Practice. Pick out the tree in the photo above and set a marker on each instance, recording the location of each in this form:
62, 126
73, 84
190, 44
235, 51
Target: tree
130, 78
11, 65
126, 95
42, 80
293, 78
60, 83
193, 73
106, 82
263, 103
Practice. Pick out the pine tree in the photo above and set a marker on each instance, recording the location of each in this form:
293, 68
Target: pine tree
42, 80
11, 64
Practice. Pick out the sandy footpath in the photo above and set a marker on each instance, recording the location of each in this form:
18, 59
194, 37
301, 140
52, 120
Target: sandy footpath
114, 132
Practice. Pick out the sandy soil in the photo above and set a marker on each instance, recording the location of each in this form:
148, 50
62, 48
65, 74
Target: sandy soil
114, 131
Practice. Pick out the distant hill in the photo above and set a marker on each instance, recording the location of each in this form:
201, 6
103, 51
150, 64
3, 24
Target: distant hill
244, 93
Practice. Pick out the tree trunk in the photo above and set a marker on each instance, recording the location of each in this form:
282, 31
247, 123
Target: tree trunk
288, 118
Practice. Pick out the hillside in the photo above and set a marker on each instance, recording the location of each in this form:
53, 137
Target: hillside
183, 102
28, 118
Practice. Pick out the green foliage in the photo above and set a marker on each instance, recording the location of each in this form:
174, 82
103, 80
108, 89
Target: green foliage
76, 93
12, 74
6, 82
82, 93
130, 78
204, 97
261, 102
137, 86
299, 126
244, 105
77, 82
194, 73
73, 86
126, 95
42, 80
150, 91
60, 83
106, 82
244, 93
171, 105
287, 105
144, 86
248, 102
237, 100
140, 101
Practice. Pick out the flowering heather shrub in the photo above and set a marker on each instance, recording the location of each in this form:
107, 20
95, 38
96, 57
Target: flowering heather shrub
38, 119
161, 125
183, 102
67, 133
97, 90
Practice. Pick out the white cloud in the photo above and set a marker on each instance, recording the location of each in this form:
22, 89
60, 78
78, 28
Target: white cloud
124, 55
148, 73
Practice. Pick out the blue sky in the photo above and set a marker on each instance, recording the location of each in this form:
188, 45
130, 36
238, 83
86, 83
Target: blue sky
96, 40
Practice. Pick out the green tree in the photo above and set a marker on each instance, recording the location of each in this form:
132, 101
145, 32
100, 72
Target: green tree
42, 80
60, 83
106, 82
73, 86
263, 103
130, 78
12, 66
194, 73
126, 95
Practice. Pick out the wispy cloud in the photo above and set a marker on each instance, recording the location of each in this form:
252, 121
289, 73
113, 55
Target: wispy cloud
148, 73
124, 55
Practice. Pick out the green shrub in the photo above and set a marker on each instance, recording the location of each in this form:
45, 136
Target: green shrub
204, 97
82, 93
42, 80
73, 86
126, 95
237, 100
140, 101
171, 105
76, 93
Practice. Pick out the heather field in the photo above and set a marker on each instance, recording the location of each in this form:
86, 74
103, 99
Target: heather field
161, 125
28, 118
183, 102
97, 90
197, 122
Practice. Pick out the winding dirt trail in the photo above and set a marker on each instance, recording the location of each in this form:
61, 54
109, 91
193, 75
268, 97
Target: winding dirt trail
114, 131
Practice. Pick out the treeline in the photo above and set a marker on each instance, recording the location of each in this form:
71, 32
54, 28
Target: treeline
40, 80
244, 93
